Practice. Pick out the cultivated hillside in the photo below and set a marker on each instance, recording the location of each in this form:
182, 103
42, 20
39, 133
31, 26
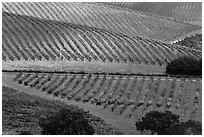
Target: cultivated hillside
125, 95
181, 11
28, 39
109, 59
107, 18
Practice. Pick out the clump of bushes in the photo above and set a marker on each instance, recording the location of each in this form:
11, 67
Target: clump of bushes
20, 81
156, 122
66, 122
185, 66
167, 123
185, 128
194, 41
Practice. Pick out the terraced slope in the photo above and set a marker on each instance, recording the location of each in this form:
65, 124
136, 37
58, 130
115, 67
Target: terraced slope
182, 11
107, 18
129, 96
27, 39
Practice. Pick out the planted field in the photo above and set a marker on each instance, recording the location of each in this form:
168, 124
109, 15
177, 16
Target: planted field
125, 95
30, 39
108, 18
108, 58
182, 11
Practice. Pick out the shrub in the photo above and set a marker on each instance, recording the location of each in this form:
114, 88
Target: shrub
26, 83
156, 122
66, 122
184, 66
166, 123
194, 41
20, 81
185, 128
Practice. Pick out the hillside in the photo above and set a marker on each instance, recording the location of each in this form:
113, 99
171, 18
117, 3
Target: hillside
29, 108
28, 40
125, 95
107, 18
181, 11
124, 125
114, 61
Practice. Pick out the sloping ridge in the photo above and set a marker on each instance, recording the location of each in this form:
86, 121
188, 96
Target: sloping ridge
31, 39
181, 11
105, 17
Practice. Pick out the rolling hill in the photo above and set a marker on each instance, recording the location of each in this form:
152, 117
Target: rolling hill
125, 95
33, 40
107, 18
107, 58
181, 11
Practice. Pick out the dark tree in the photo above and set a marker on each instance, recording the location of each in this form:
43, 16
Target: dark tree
156, 122
185, 128
66, 122
184, 66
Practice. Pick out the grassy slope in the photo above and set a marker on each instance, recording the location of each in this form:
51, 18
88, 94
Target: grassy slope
20, 112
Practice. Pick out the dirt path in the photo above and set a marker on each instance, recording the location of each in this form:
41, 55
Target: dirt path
123, 124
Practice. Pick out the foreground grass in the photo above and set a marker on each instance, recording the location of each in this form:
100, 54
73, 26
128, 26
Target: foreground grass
20, 112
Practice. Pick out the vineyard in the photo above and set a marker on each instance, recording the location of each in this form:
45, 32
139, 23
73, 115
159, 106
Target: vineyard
106, 18
110, 59
188, 11
129, 96
31, 39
